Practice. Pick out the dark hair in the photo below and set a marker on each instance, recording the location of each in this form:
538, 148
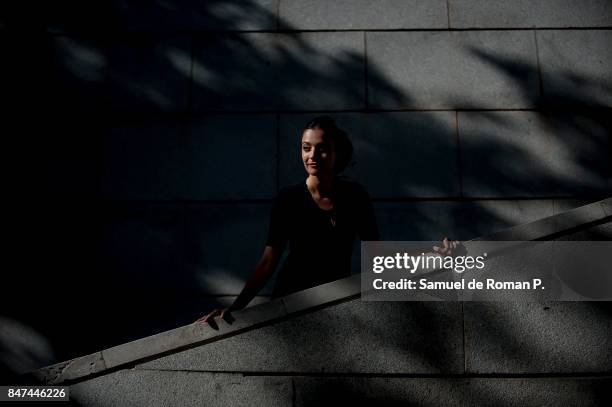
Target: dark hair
342, 145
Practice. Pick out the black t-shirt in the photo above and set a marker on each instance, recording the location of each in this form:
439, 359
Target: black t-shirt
320, 241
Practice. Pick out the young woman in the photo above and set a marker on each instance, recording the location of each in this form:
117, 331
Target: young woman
319, 219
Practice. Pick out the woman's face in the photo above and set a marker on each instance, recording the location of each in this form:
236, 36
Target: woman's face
318, 153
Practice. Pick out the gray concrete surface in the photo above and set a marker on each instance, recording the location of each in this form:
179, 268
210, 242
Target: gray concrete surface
409, 154
581, 145
307, 71
448, 70
79, 67
160, 172
192, 159
505, 154
234, 15
354, 337
111, 17
421, 220
432, 220
155, 388
232, 159
362, 14
135, 65
528, 14
391, 391
109, 74
155, 232
553, 391
481, 218
453, 391
226, 243
576, 67
519, 338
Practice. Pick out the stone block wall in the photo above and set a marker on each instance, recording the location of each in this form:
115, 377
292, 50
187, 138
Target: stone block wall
164, 129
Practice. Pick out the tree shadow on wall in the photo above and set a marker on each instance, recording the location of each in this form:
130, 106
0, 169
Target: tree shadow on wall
571, 132
133, 74
115, 268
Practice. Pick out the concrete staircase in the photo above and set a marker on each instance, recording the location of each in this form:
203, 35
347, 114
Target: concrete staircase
324, 345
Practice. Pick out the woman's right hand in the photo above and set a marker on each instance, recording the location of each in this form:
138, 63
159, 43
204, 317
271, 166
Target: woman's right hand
224, 313
261, 274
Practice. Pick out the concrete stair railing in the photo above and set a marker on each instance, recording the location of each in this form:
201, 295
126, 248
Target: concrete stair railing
197, 334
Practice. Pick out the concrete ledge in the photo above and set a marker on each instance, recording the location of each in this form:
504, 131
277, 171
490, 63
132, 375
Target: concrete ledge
325, 294
606, 205
553, 225
251, 318
198, 334
72, 369
189, 335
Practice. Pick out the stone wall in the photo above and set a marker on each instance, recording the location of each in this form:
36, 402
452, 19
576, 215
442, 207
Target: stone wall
164, 129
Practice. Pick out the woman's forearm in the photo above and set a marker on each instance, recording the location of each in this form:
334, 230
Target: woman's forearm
258, 279
256, 282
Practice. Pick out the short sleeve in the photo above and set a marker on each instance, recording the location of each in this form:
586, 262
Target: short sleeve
277, 229
367, 226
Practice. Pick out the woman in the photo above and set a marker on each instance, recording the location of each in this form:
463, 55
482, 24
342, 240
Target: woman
318, 218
